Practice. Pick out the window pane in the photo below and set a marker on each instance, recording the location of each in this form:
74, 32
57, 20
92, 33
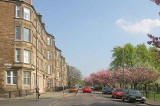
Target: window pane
14, 73
28, 81
8, 73
14, 80
26, 35
27, 14
11, 77
26, 56
18, 55
25, 81
8, 80
18, 33
18, 11
48, 41
27, 78
49, 69
49, 55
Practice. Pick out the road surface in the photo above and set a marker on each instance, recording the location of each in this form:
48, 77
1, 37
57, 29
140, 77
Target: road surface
71, 99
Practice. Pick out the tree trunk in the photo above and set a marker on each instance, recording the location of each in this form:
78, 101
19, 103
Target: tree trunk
135, 86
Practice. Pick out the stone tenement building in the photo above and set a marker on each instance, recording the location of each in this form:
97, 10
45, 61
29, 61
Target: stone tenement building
26, 48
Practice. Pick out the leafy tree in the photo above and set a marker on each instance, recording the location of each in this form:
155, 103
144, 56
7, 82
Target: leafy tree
142, 54
155, 42
74, 76
154, 58
123, 56
156, 1
117, 58
102, 78
129, 55
143, 75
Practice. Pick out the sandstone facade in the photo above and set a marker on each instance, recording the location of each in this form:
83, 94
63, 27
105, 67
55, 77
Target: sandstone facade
27, 50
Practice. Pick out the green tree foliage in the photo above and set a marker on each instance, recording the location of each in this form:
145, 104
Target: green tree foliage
142, 54
131, 56
154, 61
123, 56
117, 57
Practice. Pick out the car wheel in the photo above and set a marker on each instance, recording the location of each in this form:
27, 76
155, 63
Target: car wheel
142, 102
128, 100
123, 99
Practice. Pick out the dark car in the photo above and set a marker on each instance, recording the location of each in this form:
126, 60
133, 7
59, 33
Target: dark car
133, 96
107, 90
98, 88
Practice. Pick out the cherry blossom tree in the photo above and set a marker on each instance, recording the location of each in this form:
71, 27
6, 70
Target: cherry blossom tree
103, 77
155, 41
141, 75
156, 1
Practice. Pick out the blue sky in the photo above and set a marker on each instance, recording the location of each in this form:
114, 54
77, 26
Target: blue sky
87, 30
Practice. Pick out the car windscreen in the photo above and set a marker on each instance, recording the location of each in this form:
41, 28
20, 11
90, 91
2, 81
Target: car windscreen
120, 90
109, 89
134, 92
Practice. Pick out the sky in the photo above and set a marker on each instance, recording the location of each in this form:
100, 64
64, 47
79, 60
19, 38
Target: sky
87, 30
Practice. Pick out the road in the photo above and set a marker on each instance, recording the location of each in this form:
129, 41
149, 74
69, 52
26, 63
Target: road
71, 99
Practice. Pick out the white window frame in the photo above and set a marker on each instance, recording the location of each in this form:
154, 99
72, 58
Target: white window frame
49, 83
18, 55
18, 11
58, 63
27, 14
11, 77
48, 40
27, 56
58, 74
49, 55
27, 77
49, 69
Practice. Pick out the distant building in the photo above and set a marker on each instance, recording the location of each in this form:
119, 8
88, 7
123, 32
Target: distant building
24, 46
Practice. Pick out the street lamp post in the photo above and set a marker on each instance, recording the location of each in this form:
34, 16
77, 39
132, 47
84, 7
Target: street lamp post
36, 64
123, 69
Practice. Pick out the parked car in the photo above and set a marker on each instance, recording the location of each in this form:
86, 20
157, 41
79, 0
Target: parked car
87, 90
73, 89
107, 90
92, 87
80, 87
118, 93
98, 88
133, 96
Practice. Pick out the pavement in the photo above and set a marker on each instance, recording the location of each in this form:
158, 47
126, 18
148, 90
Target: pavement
152, 103
42, 95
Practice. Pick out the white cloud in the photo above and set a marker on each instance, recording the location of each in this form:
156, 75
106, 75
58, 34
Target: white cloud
141, 27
